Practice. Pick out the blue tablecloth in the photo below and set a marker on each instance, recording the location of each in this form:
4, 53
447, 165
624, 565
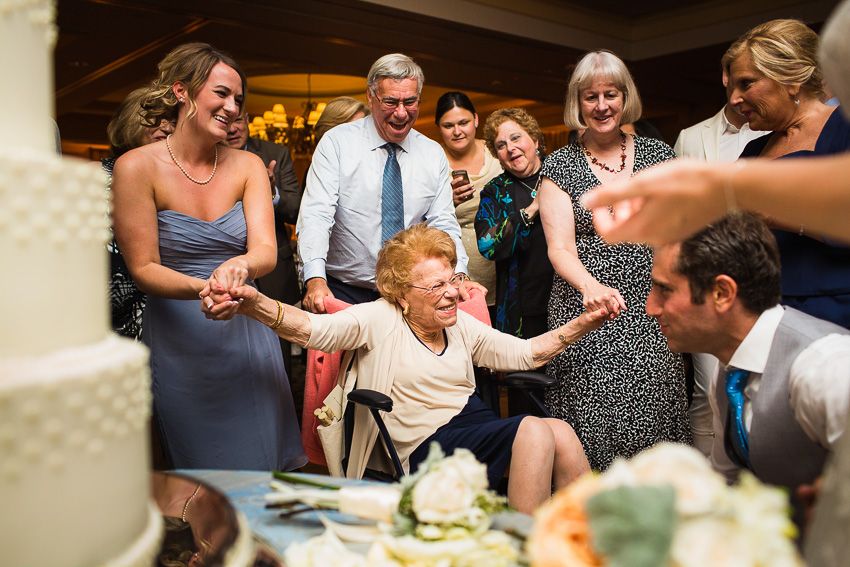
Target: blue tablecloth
246, 490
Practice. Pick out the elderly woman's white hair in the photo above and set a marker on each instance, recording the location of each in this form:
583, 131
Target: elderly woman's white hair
601, 64
834, 47
395, 66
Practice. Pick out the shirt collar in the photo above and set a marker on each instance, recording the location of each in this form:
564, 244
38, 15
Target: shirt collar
728, 127
754, 350
375, 139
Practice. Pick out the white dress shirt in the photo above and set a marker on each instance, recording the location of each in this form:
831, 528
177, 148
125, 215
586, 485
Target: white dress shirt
818, 386
339, 224
733, 140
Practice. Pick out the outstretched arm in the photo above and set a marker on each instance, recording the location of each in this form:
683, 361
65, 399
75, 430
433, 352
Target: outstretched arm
556, 213
548, 345
673, 201
295, 325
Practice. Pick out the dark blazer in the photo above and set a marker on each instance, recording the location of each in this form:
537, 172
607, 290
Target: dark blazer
282, 282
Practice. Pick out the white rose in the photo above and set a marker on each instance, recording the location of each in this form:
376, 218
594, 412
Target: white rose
709, 542
762, 512
327, 550
446, 493
493, 549
699, 490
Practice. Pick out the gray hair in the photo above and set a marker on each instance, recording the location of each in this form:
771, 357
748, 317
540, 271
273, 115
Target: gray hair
395, 66
601, 64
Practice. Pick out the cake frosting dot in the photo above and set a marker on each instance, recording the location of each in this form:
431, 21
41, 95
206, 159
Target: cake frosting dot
95, 447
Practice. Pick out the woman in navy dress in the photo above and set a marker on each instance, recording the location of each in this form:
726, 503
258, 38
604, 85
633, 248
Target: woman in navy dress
778, 86
188, 211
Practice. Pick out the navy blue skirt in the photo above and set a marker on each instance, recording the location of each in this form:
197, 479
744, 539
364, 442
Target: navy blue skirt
479, 429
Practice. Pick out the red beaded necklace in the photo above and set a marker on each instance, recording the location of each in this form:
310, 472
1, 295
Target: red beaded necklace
604, 166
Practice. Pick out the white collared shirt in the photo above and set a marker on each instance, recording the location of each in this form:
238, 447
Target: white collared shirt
818, 386
733, 140
339, 224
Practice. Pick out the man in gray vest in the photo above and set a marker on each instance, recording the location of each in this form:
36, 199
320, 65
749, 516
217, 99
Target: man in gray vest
780, 397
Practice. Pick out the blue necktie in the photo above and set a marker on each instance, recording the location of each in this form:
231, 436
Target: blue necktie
392, 198
736, 381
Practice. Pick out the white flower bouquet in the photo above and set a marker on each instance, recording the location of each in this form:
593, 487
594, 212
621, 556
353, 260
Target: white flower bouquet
665, 507
439, 516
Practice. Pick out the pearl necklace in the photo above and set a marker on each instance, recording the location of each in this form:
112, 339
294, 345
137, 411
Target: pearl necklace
186, 173
604, 166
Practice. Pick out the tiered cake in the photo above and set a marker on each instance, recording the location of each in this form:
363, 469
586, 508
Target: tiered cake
74, 398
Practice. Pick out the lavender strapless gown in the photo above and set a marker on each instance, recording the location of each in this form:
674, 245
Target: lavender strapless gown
221, 394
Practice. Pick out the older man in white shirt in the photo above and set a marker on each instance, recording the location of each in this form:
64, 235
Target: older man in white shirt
780, 399
359, 173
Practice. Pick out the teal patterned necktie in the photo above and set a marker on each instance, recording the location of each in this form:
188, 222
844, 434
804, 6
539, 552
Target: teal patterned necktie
736, 381
392, 198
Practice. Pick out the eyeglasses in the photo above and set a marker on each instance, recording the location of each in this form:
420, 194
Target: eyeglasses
440, 288
393, 103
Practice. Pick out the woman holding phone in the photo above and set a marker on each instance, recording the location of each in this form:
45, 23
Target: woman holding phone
472, 167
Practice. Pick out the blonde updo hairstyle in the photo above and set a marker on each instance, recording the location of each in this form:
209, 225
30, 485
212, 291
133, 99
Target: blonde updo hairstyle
338, 111
595, 65
393, 272
126, 129
191, 64
785, 51
522, 118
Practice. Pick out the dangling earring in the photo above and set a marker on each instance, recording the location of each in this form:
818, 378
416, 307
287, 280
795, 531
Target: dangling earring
406, 310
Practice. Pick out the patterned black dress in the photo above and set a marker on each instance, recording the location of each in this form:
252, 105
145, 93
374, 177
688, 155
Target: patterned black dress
620, 387
127, 303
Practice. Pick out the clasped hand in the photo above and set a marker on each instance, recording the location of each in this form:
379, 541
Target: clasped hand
596, 296
225, 291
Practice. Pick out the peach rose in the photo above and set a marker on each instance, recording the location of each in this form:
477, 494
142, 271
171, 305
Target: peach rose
561, 535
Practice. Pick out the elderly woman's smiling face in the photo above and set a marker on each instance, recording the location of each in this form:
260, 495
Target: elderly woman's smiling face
431, 311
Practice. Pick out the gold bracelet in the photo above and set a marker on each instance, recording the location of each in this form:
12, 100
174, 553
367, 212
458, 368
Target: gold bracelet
279, 319
258, 267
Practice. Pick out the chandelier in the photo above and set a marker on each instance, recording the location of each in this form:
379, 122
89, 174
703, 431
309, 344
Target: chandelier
295, 133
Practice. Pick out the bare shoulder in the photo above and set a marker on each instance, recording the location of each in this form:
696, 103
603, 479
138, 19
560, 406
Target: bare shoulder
140, 161
237, 157
139, 167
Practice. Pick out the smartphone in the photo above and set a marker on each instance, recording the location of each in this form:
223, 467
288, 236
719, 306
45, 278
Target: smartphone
461, 173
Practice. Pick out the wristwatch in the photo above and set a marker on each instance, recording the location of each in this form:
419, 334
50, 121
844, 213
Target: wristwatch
526, 218
562, 337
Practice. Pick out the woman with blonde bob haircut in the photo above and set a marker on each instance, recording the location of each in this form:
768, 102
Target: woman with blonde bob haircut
621, 389
417, 347
340, 111
592, 66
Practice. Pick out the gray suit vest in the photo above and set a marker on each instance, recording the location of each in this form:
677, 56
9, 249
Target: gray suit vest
780, 451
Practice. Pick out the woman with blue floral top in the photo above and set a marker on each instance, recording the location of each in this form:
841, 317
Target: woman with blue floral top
507, 224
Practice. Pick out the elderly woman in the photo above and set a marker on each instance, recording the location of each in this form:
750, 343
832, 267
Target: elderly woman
506, 224
778, 86
415, 346
621, 389
472, 168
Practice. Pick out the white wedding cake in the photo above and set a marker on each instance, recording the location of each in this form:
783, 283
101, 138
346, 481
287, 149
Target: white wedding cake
74, 398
